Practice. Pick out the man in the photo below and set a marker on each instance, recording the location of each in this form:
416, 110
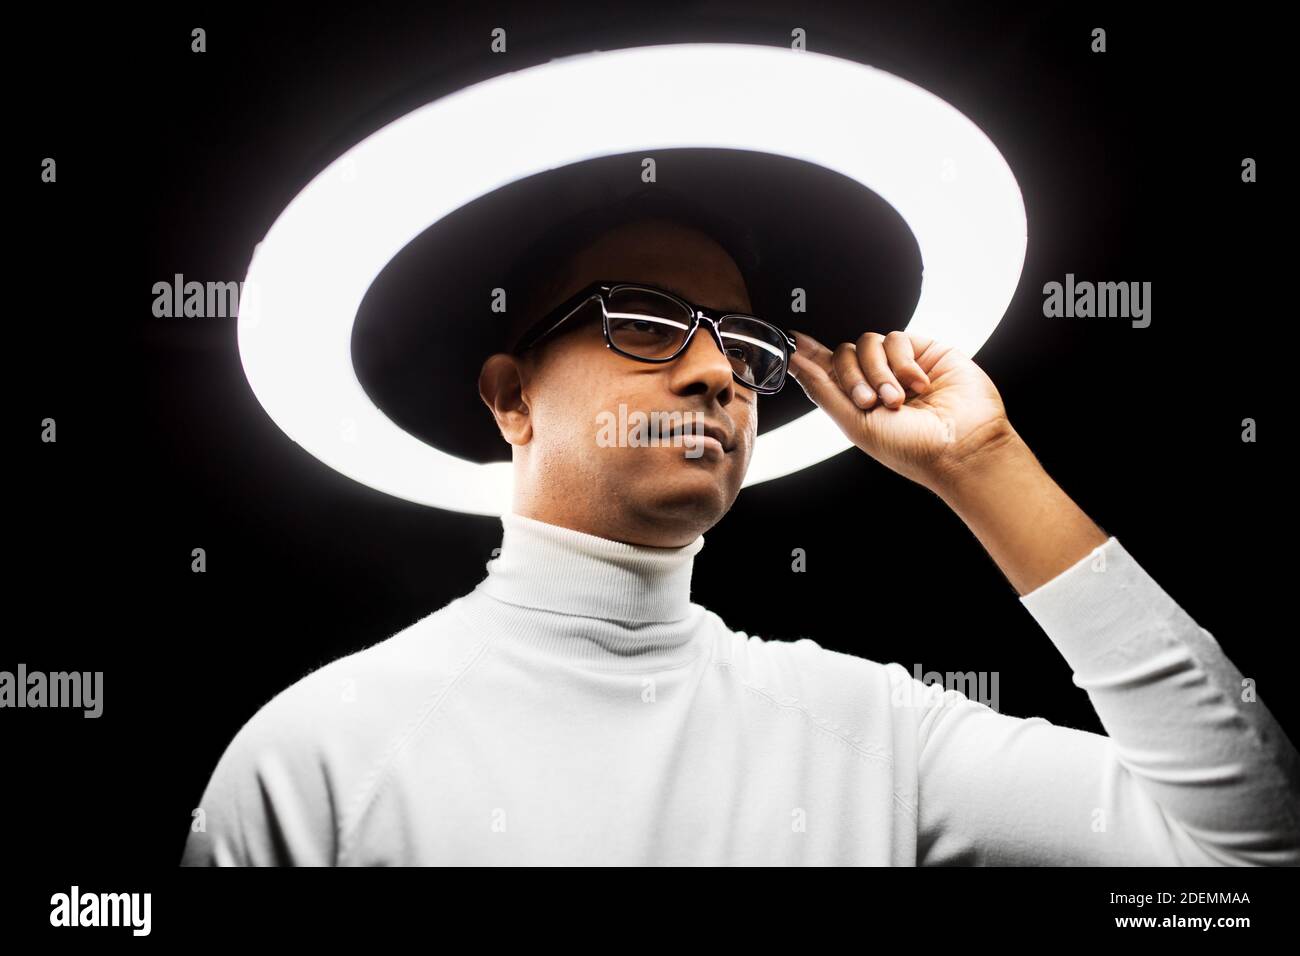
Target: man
578, 708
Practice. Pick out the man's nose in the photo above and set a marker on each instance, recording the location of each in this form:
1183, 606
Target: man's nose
703, 369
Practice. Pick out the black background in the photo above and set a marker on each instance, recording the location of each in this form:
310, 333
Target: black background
171, 161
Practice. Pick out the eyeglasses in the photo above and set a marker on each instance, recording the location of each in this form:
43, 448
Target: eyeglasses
649, 324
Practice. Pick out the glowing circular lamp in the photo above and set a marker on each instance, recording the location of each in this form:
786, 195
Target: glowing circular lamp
308, 276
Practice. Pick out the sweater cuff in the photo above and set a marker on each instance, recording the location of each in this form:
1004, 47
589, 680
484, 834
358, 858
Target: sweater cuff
1103, 600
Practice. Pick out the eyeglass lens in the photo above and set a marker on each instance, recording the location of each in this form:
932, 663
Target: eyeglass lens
646, 323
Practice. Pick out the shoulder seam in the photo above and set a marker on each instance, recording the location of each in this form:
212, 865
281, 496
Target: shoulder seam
371, 785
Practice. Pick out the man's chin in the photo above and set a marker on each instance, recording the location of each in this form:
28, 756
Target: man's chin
697, 497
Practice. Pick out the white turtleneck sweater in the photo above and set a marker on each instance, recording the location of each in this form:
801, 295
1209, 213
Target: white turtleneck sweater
578, 708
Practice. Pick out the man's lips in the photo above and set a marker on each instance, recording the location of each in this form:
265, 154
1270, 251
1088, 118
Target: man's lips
716, 432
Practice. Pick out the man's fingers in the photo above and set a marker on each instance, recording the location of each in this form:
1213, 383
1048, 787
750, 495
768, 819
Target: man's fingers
902, 351
875, 366
849, 374
877, 369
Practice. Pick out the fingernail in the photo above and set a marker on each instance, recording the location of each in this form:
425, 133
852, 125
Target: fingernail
861, 394
920, 385
889, 394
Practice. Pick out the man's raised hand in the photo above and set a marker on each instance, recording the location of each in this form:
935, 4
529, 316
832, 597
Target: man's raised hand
921, 408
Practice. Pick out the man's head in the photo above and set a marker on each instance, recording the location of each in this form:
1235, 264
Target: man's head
550, 401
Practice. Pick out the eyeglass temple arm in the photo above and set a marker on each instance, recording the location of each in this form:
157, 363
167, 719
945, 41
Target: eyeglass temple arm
538, 333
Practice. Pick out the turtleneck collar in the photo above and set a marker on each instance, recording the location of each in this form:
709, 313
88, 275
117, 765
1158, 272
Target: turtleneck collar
551, 568
579, 600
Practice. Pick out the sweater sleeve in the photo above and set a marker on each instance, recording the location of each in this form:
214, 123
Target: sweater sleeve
1192, 770
268, 801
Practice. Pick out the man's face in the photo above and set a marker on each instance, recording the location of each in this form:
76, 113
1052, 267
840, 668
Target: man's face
555, 402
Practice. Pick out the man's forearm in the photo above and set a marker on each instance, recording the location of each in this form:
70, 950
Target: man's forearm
1028, 525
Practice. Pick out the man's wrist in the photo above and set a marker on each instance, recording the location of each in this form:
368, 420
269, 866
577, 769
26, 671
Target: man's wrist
999, 447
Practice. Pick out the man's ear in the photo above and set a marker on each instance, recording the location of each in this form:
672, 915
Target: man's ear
500, 385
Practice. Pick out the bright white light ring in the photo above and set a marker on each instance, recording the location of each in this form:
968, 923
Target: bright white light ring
309, 275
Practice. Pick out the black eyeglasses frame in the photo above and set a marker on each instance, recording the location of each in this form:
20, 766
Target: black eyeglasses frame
602, 289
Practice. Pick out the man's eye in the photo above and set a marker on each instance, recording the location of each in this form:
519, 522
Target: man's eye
642, 326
